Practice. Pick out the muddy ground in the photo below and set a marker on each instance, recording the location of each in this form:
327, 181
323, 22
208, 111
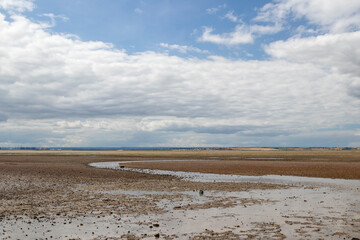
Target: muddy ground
50, 190
31, 182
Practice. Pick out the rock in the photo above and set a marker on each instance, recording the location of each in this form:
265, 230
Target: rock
156, 225
157, 235
201, 192
122, 166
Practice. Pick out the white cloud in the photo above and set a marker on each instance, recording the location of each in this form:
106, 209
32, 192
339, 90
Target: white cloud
325, 16
334, 16
332, 41
265, 29
241, 35
215, 9
305, 31
182, 48
230, 15
340, 52
17, 5
53, 18
91, 79
59, 90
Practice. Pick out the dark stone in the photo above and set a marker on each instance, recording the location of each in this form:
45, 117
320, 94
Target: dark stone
201, 192
157, 235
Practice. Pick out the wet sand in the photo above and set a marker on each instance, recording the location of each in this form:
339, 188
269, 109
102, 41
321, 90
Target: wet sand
58, 196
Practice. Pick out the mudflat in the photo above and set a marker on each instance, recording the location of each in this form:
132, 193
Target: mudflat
309, 163
56, 194
74, 164
341, 169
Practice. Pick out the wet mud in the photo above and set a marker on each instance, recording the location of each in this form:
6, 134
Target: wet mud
64, 198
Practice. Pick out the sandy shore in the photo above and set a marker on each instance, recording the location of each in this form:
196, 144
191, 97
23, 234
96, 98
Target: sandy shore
59, 196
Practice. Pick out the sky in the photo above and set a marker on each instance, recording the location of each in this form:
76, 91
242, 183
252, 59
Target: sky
179, 73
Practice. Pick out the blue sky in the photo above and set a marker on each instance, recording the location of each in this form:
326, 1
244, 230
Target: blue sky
138, 26
179, 73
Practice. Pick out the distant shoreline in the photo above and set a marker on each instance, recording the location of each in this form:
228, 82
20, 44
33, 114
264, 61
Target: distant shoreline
176, 148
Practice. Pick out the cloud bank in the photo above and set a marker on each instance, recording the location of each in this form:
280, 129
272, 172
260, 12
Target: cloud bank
17, 5
88, 93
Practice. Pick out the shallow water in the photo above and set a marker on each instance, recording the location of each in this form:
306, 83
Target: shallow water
210, 177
